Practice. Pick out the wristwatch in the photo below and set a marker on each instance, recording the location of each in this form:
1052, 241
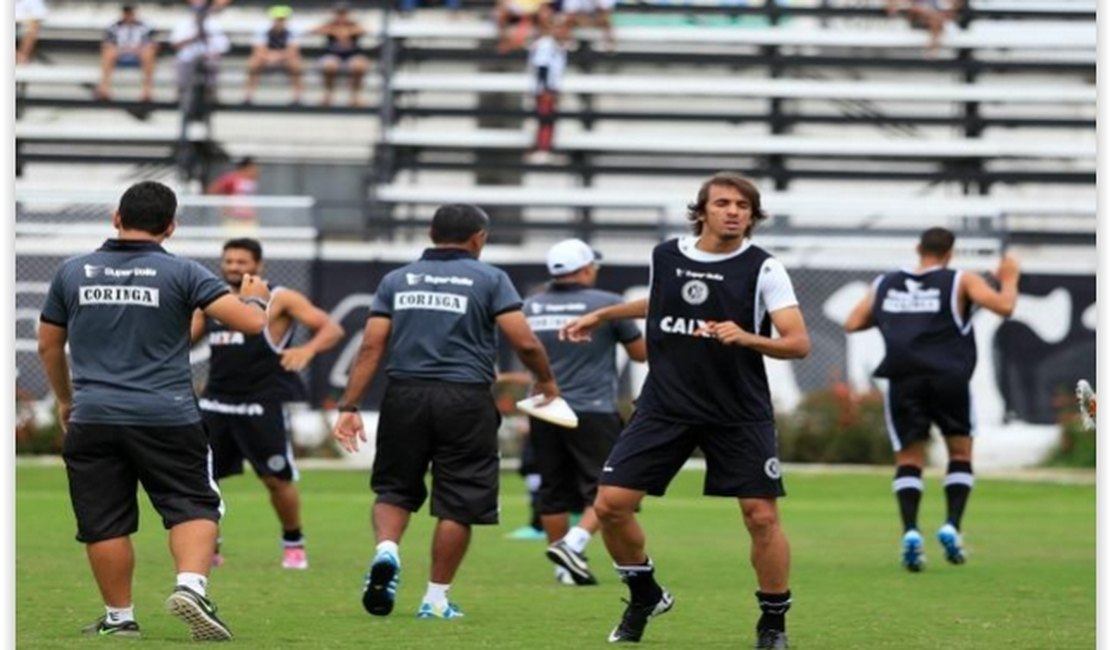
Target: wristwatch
347, 408
252, 300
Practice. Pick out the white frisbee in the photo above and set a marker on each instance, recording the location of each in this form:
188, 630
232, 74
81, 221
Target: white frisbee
557, 412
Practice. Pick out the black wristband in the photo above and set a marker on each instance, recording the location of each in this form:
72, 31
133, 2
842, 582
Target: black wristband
252, 300
347, 408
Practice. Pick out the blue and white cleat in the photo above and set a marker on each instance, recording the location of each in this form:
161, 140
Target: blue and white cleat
380, 590
913, 555
953, 545
445, 612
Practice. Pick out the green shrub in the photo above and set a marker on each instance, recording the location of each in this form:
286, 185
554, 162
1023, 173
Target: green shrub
1077, 445
836, 425
30, 436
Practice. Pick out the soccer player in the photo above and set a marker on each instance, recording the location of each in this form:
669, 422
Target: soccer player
712, 301
438, 317
570, 460
924, 316
249, 379
129, 412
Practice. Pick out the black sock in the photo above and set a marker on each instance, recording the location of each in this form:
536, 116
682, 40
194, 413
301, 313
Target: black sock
292, 537
774, 607
534, 500
908, 487
640, 578
957, 489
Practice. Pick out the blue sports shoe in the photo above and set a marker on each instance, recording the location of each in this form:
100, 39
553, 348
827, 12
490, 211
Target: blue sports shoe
913, 557
950, 539
446, 612
380, 591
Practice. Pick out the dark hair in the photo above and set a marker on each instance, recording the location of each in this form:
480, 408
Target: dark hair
128, 8
247, 244
457, 222
936, 242
245, 161
696, 210
148, 206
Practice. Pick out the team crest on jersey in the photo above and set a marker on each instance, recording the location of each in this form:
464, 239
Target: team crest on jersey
695, 292
772, 468
276, 463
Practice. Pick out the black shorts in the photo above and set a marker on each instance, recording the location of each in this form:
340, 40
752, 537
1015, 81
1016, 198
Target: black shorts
914, 404
570, 460
253, 431
451, 426
741, 461
106, 462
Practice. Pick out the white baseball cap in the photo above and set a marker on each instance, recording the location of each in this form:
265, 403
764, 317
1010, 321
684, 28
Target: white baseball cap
570, 255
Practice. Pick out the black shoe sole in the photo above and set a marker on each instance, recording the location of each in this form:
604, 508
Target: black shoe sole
580, 579
203, 626
376, 599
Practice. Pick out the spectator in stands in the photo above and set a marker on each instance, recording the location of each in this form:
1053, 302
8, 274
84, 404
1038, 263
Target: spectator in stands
29, 15
199, 43
275, 45
342, 53
516, 19
598, 13
409, 6
925, 14
127, 42
547, 60
241, 181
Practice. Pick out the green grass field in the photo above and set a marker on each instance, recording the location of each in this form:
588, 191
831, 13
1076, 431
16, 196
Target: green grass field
1029, 583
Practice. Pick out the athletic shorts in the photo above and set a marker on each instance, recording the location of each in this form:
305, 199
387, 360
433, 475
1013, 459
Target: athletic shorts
253, 431
914, 404
453, 428
570, 460
741, 461
106, 462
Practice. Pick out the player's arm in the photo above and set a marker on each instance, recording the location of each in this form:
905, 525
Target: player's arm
636, 349
862, 316
1002, 301
791, 343
197, 327
247, 311
349, 430
530, 350
52, 352
579, 329
326, 332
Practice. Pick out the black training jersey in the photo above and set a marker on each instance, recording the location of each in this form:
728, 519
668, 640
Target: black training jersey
248, 366
693, 378
922, 325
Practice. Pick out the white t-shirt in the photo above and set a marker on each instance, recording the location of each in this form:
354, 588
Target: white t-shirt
217, 41
548, 52
774, 288
30, 10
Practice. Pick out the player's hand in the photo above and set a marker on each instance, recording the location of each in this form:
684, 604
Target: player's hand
1008, 269
254, 287
349, 431
296, 359
549, 389
726, 332
64, 409
578, 330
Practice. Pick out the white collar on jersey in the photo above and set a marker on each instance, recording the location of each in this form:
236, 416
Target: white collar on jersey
687, 245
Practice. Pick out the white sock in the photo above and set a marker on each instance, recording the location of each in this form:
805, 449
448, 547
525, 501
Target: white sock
117, 615
194, 581
436, 594
391, 548
577, 538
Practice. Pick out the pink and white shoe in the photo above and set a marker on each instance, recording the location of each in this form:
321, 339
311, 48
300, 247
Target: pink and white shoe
217, 560
294, 557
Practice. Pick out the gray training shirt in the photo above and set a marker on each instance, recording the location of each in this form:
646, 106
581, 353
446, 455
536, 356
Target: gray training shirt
127, 308
586, 372
443, 308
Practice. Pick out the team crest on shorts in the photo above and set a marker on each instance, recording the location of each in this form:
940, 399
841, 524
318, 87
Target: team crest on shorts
276, 463
772, 468
695, 292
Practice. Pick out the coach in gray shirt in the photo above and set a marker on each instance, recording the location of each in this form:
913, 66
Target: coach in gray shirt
129, 412
570, 460
438, 317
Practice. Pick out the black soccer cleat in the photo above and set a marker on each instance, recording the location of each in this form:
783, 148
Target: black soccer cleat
199, 614
101, 627
574, 563
380, 589
635, 619
771, 639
